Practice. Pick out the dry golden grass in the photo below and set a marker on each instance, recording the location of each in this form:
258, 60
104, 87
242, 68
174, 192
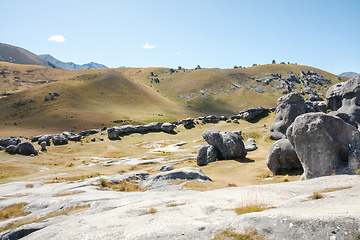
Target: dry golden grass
327, 190
250, 233
316, 195
251, 207
67, 211
67, 194
13, 211
152, 210
175, 204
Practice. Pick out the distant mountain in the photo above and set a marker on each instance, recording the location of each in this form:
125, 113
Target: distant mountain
13, 54
71, 65
349, 74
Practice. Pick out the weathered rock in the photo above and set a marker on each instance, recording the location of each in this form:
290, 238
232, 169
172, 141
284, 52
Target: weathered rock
7, 141
186, 173
72, 136
45, 138
250, 145
43, 146
229, 145
251, 113
325, 145
24, 148
130, 177
168, 127
154, 126
164, 168
89, 132
235, 120
92, 139
344, 98
288, 108
205, 155
59, 140
282, 156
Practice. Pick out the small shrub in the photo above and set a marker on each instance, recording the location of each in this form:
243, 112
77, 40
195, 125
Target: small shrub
70, 165
316, 195
232, 185
103, 182
29, 185
358, 172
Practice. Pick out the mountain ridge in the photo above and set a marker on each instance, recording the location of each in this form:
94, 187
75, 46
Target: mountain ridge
71, 65
349, 74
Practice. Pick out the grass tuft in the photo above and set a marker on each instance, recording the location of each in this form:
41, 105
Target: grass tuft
152, 210
286, 178
175, 204
230, 234
251, 207
316, 195
13, 211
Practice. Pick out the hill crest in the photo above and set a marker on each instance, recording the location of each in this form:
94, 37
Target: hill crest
71, 65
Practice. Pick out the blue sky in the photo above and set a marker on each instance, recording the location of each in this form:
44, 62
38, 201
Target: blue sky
165, 33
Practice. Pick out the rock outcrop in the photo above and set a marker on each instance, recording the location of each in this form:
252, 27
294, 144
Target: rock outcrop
24, 148
229, 145
325, 145
282, 156
7, 141
205, 155
288, 108
251, 113
344, 100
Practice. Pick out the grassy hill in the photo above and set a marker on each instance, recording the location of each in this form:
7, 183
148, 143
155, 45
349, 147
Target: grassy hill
35, 100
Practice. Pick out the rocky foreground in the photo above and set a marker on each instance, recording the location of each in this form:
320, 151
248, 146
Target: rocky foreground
177, 213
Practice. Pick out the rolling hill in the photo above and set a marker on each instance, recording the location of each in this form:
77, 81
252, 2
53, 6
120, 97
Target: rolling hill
36, 99
71, 65
13, 54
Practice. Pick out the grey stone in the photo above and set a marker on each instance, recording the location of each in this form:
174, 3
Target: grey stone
325, 145
251, 113
92, 139
43, 146
250, 145
7, 141
164, 168
344, 98
24, 148
186, 173
59, 140
282, 156
205, 155
168, 127
89, 132
45, 138
130, 177
229, 145
288, 108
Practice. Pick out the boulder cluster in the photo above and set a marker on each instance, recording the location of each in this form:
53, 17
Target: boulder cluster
322, 144
222, 146
13, 145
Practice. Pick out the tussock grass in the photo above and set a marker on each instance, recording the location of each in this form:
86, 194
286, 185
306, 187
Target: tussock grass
250, 233
316, 195
327, 190
67, 194
175, 204
251, 207
152, 210
67, 211
125, 186
13, 211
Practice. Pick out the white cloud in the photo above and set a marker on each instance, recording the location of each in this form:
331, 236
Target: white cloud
147, 45
57, 38
178, 53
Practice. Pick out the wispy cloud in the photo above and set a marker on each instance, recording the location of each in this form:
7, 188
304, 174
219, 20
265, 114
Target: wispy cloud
147, 45
57, 38
178, 53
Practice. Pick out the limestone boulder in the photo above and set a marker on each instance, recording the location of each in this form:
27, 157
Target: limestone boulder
250, 145
45, 138
288, 108
59, 140
168, 127
251, 113
229, 145
282, 156
325, 145
7, 141
205, 155
25, 148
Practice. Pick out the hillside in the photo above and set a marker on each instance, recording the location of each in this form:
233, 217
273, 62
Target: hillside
13, 54
71, 65
35, 100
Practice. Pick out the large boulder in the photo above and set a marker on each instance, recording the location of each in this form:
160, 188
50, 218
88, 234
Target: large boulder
288, 108
325, 145
59, 140
45, 138
186, 173
7, 141
344, 100
24, 148
168, 127
89, 132
228, 144
282, 156
251, 113
205, 155
250, 145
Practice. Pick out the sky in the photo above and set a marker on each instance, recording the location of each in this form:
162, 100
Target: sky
167, 33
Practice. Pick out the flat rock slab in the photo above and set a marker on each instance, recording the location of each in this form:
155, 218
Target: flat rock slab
188, 214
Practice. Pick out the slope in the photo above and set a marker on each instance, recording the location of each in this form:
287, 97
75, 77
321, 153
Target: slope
13, 54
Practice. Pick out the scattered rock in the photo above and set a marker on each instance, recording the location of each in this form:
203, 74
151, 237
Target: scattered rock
168, 127
59, 140
325, 145
164, 168
251, 113
7, 141
130, 177
43, 146
282, 156
45, 138
228, 144
24, 148
250, 145
92, 139
89, 132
